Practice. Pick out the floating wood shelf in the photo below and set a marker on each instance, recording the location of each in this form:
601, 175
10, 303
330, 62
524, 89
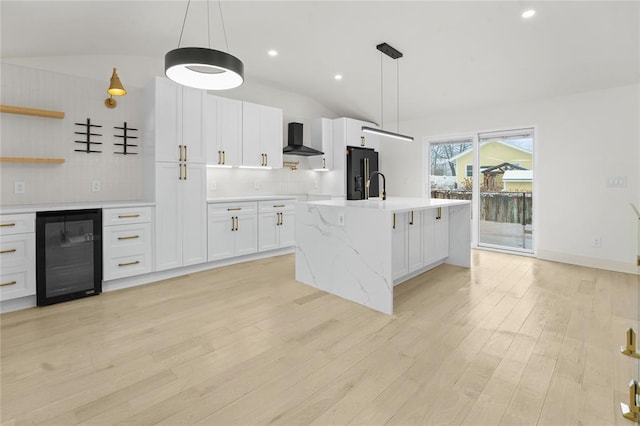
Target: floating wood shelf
31, 160
31, 111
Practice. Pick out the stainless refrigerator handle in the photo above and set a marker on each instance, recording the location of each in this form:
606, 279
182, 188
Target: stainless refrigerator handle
366, 177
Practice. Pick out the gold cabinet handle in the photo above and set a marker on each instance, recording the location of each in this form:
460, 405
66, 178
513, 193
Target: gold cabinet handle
277, 219
224, 157
185, 153
281, 219
127, 216
234, 209
8, 251
324, 163
362, 141
129, 263
233, 223
219, 157
9, 283
180, 152
7, 224
411, 221
237, 223
394, 221
439, 213
266, 159
180, 170
185, 171
278, 205
131, 237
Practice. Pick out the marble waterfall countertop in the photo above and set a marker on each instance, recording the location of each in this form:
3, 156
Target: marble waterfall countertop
393, 204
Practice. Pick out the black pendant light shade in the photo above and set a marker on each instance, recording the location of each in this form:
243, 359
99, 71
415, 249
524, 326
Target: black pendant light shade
204, 68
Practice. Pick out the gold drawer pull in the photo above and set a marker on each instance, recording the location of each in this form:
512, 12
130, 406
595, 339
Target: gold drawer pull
234, 209
8, 251
132, 237
411, 221
278, 205
9, 283
128, 216
7, 224
439, 213
129, 263
394, 221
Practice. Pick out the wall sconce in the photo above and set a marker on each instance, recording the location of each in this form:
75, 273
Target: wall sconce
115, 89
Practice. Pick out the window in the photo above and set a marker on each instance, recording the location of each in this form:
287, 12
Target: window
469, 170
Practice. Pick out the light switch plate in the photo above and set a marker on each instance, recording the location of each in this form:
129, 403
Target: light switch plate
19, 187
96, 186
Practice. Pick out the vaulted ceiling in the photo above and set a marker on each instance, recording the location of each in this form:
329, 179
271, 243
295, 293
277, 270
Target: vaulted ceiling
457, 55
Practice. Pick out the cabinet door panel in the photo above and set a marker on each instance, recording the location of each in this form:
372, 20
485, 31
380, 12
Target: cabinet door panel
168, 232
246, 234
220, 243
230, 131
166, 120
268, 231
399, 246
210, 135
251, 151
193, 125
441, 234
287, 229
415, 240
271, 135
194, 215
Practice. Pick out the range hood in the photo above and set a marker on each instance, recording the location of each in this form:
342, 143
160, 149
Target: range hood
294, 146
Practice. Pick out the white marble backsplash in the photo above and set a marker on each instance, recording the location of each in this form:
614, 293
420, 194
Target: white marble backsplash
223, 182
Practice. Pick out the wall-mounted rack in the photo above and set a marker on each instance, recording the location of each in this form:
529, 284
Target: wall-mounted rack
32, 160
31, 111
88, 135
125, 139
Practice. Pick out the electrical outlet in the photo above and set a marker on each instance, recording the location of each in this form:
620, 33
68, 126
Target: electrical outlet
596, 242
341, 219
19, 187
212, 185
617, 181
95, 186
256, 184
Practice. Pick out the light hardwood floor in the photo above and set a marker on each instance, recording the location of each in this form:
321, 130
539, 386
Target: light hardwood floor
513, 340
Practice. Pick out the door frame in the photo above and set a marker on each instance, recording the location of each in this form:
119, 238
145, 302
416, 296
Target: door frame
475, 193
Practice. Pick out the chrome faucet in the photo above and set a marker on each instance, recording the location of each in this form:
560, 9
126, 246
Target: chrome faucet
384, 184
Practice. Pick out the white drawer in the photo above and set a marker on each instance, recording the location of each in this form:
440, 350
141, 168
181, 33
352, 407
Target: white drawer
11, 224
17, 282
127, 239
276, 205
224, 209
127, 266
126, 215
17, 250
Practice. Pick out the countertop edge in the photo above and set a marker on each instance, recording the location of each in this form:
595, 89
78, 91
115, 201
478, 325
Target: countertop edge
35, 208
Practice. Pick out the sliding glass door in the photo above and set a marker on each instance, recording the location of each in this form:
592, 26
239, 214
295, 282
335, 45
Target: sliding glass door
505, 178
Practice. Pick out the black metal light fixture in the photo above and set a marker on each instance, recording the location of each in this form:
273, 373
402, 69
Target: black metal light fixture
204, 68
393, 54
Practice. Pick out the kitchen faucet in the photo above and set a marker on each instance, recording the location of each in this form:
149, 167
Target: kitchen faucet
384, 184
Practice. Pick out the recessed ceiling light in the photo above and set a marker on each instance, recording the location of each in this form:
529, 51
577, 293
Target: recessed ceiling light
338, 77
273, 52
528, 13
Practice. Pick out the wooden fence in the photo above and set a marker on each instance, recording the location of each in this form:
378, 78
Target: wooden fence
503, 207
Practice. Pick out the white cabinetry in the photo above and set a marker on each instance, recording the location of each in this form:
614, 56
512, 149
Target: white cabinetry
414, 240
17, 256
261, 135
399, 246
223, 130
177, 127
276, 224
127, 242
435, 235
233, 229
322, 140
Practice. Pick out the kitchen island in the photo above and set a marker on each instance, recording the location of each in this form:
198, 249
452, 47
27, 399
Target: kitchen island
359, 250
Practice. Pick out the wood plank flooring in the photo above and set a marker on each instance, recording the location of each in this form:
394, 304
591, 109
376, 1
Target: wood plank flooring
513, 340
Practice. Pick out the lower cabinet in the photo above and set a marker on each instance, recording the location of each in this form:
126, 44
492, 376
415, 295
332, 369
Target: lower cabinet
419, 238
232, 230
276, 223
127, 242
17, 256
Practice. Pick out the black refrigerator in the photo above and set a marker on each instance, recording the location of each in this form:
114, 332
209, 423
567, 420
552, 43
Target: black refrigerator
361, 162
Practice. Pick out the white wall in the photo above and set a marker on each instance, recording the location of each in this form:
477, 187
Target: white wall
27, 136
581, 140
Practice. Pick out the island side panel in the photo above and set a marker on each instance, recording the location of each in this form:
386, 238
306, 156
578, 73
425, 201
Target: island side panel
460, 235
347, 252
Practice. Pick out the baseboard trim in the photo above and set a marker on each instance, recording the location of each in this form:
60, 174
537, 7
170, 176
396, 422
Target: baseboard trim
591, 262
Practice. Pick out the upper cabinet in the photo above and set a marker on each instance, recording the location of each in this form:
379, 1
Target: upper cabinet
350, 133
179, 125
261, 136
322, 140
223, 131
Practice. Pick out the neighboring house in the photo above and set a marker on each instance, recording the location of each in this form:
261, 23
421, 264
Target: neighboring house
496, 153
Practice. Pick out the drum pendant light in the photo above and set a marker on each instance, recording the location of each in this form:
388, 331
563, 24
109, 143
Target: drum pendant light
204, 68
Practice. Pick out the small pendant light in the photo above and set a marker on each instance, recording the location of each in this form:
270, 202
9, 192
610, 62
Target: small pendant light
204, 68
115, 89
